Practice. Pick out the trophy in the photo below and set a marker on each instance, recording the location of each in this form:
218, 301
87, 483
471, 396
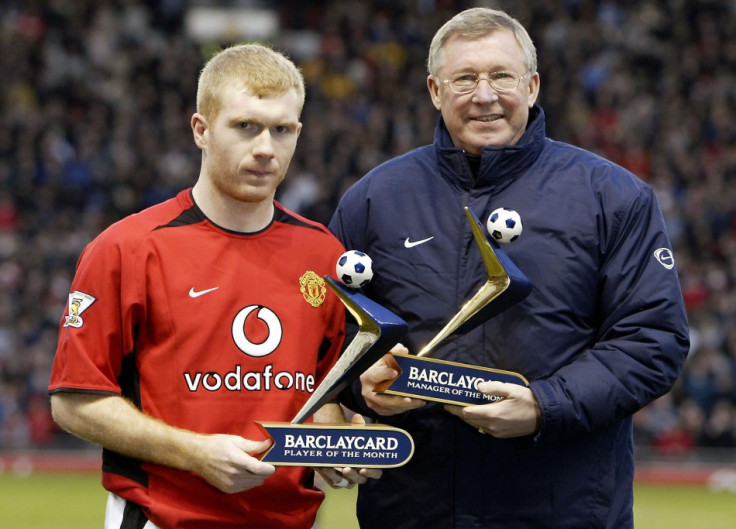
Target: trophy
423, 377
364, 446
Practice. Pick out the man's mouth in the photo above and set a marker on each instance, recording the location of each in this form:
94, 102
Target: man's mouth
488, 119
259, 172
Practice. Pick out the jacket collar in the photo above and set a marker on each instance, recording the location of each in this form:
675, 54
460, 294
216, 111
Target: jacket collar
497, 163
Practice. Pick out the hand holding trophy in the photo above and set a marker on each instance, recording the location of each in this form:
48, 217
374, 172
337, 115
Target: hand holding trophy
354, 445
422, 377
386, 369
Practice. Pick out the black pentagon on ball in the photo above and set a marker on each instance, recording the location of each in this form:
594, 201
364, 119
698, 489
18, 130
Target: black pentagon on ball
345, 278
497, 235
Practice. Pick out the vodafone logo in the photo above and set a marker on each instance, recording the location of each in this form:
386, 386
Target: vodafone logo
257, 332
257, 346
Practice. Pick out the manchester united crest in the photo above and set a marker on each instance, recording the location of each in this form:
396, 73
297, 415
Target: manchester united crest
313, 288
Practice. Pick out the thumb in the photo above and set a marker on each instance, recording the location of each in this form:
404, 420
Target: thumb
490, 387
357, 420
252, 460
254, 447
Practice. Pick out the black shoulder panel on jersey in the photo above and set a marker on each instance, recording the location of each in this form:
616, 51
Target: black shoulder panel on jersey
116, 463
129, 381
129, 467
282, 216
187, 217
85, 391
133, 516
324, 348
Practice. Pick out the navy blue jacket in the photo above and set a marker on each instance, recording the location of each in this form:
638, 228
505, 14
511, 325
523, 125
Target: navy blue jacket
603, 332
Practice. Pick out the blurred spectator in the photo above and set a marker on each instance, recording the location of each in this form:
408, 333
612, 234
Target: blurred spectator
680, 437
95, 95
720, 429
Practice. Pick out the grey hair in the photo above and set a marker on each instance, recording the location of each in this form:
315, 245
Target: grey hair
478, 22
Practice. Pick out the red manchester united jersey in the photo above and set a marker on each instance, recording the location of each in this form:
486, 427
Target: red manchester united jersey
207, 330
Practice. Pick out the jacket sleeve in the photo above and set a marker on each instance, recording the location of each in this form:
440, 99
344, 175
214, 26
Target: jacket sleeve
347, 229
642, 338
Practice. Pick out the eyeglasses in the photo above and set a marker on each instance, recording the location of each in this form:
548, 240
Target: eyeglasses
499, 81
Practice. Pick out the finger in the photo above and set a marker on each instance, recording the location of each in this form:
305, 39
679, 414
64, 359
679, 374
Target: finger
254, 447
357, 419
467, 414
399, 348
454, 410
353, 476
371, 473
397, 402
248, 480
258, 467
358, 476
475, 414
250, 462
384, 369
333, 477
490, 387
378, 373
391, 404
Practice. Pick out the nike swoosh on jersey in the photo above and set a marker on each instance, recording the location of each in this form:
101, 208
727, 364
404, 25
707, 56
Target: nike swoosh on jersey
195, 294
412, 244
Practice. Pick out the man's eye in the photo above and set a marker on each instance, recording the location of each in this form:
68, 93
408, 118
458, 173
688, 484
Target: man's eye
466, 77
502, 75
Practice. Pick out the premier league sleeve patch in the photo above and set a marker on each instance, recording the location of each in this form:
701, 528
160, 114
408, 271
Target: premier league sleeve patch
78, 303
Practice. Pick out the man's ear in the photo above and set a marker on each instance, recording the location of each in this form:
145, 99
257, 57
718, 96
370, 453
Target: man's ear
200, 127
534, 83
434, 91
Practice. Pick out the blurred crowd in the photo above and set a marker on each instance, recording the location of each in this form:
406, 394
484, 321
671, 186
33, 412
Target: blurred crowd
96, 97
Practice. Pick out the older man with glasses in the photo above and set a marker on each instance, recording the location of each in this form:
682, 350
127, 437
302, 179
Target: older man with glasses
602, 333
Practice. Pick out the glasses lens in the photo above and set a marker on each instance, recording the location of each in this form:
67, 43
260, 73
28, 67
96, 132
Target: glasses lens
464, 83
505, 84
501, 82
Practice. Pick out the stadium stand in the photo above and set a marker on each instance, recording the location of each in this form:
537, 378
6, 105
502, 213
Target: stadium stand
96, 97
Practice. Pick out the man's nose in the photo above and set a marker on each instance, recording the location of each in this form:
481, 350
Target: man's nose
263, 144
484, 91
